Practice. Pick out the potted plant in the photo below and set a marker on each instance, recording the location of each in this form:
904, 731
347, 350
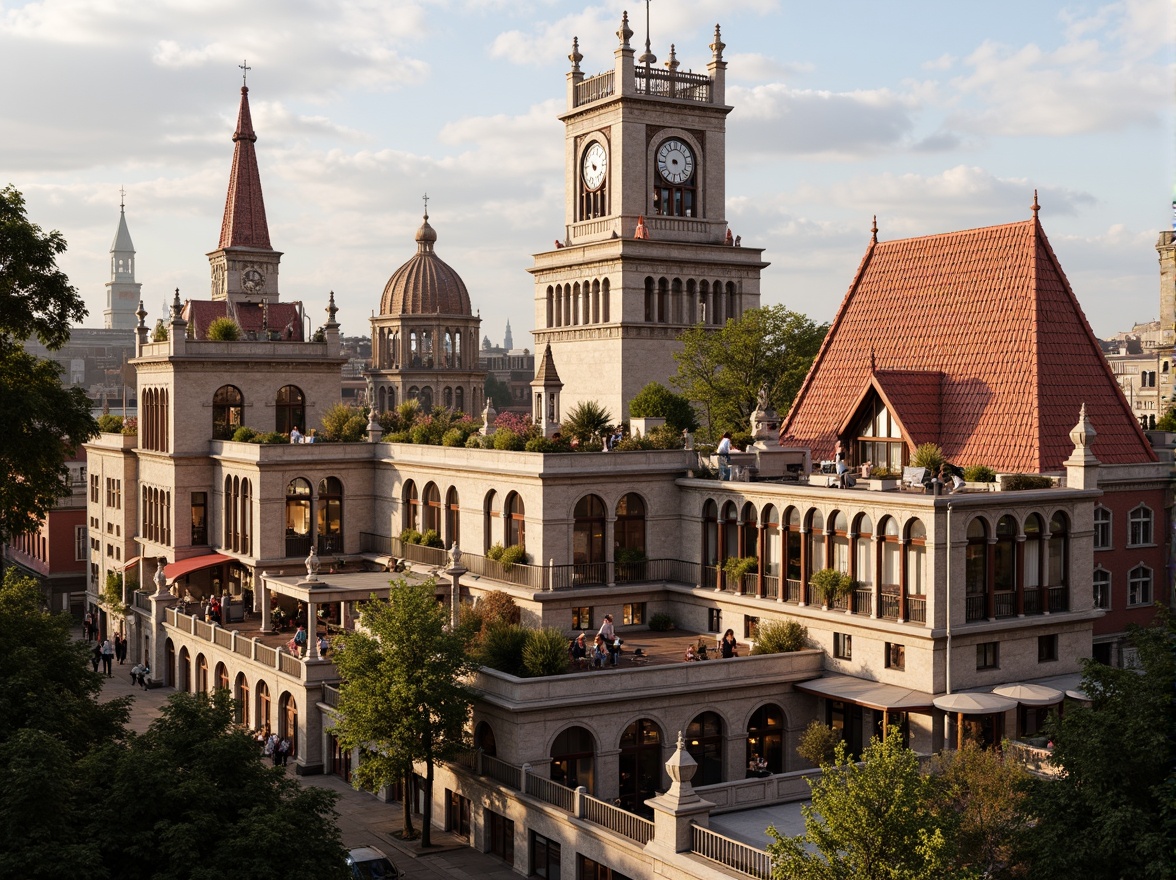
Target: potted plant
736, 567
831, 585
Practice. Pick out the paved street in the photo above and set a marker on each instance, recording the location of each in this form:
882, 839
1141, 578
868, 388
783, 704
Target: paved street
362, 818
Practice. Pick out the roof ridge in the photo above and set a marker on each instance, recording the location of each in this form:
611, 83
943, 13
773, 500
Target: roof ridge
957, 233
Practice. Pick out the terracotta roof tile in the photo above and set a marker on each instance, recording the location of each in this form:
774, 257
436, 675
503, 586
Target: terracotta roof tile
282, 317
991, 312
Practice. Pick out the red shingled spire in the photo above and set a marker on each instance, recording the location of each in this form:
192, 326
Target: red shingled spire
244, 224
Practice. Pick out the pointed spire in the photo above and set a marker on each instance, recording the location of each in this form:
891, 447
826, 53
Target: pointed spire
244, 224
122, 237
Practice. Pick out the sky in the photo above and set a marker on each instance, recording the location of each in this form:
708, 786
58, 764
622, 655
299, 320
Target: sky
934, 116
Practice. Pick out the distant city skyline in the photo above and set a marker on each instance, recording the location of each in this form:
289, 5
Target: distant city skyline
935, 117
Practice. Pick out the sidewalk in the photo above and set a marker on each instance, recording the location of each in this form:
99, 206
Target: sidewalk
362, 818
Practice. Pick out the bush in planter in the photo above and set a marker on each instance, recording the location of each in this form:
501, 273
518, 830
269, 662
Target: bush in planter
508, 441
1019, 482
831, 585
223, 330
737, 566
431, 538
818, 744
545, 652
929, 456
512, 556
501, 648
661, 622
780, 637
883, 473
270, 438
244, 434
410, 536
979, 473
110, 424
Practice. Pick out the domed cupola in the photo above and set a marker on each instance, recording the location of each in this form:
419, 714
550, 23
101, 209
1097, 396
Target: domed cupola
425, 285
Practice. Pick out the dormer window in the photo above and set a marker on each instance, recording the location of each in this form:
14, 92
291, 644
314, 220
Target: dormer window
878, 438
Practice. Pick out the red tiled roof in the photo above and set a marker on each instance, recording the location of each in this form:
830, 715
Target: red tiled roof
991, 311
283, 317
244, 223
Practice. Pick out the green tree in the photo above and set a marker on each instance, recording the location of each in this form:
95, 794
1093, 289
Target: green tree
587, 421
723, 371
867, 821
982, 797
1112, 811
344, 423
656, 399
497, 392
403, 697
194, 801
44, 422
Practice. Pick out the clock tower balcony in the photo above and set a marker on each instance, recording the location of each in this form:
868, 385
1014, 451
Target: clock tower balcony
695, 230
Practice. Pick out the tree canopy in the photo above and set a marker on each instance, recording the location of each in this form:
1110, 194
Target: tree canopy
656, 399
1112, 812
45, 422
82, 796
723, 371
497, 391
403, 698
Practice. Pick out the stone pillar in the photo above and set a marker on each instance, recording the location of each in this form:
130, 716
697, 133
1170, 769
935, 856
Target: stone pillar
157, 645
312, 651
680, 808
263, 594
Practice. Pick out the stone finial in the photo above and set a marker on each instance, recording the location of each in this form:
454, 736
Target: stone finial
624, 32
1035, 207
874, 230
177, 307
374, 431
718, 45
1083, 433
312, 565
160, 578
672, 63
332, 310
141, 314
681, 768
575, 57
489, 414
1082, 467
454, 556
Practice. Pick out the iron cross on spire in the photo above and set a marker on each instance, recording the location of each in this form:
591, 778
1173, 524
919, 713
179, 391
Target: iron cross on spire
122, 197
245, 68
426, 198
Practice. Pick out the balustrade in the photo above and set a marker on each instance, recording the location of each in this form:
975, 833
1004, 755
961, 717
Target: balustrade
917, 609
731, 853
863, 601
1006, 604
975, 607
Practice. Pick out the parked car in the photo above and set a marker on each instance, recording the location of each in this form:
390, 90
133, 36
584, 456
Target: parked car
369, 863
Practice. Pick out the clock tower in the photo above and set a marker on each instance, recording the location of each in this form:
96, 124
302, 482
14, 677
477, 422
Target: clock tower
646, 252
244, 266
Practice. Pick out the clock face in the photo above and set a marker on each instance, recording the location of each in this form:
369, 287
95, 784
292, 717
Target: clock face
595, 165
252, 280
675, 161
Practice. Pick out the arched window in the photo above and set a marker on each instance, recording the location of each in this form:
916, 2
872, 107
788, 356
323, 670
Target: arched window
246, 518
227, 520
452, 518
889, 573
414, 349
674, 173
749, 545
640, 766
290, 409
264, 718
330, 516
588, 537
201, 674
515, 524
1139, 586
288, 721
770, 558
765, 736
629, 531
431, 503
729, 539
222, 677
1004, 566
488, 515
298, 517
459, 399
447, 397
426, 399
447, 350
704, 742
840, 542
916, 575
976, 571
793, 555
484, 739
411, 506
228, 412
1034, 562
864, 553
241, 696
710, 534
650, 301
816, 548
1059, 554
573, 755
1102, 528
1139, 526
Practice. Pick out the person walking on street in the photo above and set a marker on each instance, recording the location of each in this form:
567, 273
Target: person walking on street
96, 655
107, 657
120, 648
87, 625
284, 750
610, 639
271, 748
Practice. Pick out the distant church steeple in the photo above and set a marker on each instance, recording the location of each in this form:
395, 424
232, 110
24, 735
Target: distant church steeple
244, 266
122, 291
508, 340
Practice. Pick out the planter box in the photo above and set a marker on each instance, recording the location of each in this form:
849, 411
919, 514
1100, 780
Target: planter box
884, 484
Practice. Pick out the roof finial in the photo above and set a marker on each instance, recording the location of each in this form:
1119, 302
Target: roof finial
122, 198
672, 64
426, 198
625, 31
648, 58
575, 57
874, 231
718, 45
1036, 207
873, 363
245, 68
332, 310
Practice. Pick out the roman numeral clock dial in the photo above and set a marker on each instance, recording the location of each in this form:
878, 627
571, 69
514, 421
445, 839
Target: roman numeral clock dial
675, 162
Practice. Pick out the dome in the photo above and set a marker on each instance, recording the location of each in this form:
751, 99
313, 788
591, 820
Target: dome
425, 285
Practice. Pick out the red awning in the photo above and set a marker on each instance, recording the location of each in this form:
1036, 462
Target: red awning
130, 563
175, 570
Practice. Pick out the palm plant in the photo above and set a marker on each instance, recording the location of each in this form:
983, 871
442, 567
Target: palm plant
586, 421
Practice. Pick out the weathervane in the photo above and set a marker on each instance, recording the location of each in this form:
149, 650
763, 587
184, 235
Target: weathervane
245, 68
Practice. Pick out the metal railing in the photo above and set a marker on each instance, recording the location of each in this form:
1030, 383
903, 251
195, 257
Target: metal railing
749, 584
730, 853
580, 574
1006, 603
771, 586
916, 609
672, 84
888, 606
551, 792
369, 542
863, 601
531, 576
508, 774
1059, 599
1032, 600
792, 593
975, 607
615, 819
595, 88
